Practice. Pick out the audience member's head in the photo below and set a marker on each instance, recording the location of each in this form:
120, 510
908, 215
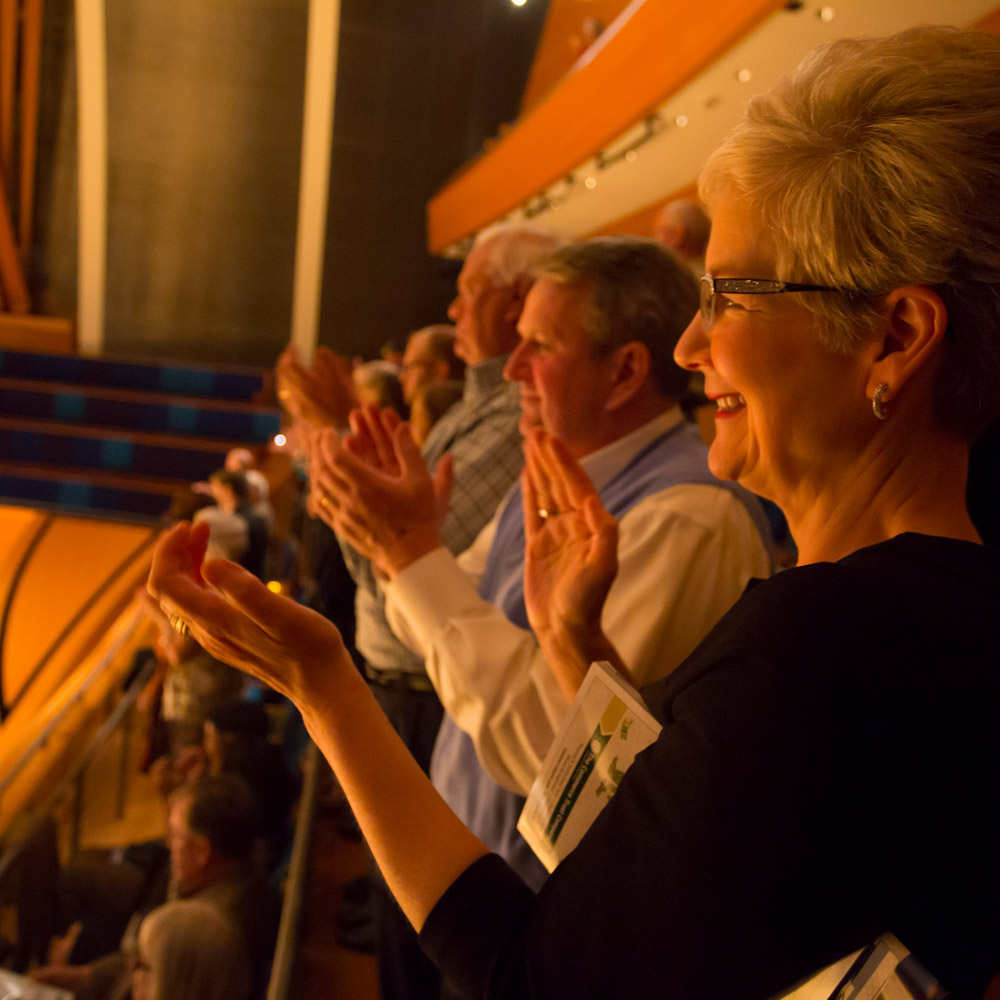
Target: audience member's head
212, 826
376, 383
188, 950
598, 331
185, 503
229, 489
391, 351
239, 460
430, 404
492, 286
872, 167
429, 358
683, 226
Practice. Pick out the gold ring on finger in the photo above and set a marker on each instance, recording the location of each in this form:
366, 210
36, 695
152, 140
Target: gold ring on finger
179, 625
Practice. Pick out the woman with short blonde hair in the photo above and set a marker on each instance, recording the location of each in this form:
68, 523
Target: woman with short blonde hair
188, 950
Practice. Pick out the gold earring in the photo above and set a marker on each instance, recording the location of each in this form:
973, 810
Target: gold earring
877, 409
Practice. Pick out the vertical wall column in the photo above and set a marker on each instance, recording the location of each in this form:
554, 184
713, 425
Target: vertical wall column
92, 139
314, 183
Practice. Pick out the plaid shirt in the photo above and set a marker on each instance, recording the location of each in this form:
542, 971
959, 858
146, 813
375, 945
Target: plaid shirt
480, 432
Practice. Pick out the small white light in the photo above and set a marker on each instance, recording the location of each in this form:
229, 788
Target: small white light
590, 182
826, 13
631, 156
681, 121
518, 3
280, 440
744, 75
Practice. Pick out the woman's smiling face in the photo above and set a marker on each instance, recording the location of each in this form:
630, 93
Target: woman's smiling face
788, 408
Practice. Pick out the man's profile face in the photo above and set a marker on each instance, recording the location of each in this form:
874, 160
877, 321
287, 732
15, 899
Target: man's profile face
481, 310
418, 366
184, 845
564, 381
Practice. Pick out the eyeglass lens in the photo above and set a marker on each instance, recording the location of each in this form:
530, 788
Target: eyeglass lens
707, 302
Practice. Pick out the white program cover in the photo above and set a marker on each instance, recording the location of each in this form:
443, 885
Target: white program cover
606, 726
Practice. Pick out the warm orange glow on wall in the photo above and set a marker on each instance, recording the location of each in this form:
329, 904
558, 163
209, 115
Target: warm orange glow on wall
990, 23
54, 569
562, 43
641, 223
73, 558
652, 55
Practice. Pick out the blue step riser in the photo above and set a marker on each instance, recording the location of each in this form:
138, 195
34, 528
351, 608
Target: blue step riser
108, 454
174, 379
75, 495
72, 456
77, 408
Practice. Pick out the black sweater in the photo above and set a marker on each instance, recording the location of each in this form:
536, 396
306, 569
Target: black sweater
829, 769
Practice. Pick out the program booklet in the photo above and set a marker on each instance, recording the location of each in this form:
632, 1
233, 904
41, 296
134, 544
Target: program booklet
885, 970
606, 726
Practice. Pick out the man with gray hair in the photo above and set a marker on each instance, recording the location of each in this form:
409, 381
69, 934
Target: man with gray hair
480, 434
595, 367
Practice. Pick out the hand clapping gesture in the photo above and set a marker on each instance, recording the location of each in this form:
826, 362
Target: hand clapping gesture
570, 560
239, 621
321, 395
373, 488
415, 838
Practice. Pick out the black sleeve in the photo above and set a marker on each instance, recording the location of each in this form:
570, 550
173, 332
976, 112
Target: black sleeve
827, 771
467, 934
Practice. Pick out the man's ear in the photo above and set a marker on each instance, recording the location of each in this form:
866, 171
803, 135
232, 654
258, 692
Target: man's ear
915, 324
202, 849
630, 370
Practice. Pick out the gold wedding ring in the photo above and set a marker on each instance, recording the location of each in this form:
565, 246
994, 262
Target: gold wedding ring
325, 500
179, 625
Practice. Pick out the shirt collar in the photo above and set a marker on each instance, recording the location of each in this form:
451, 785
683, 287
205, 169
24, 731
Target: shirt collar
605, 463
484, 377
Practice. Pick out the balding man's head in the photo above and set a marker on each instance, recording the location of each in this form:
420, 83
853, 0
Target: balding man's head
683, 226
491, 288
429, 359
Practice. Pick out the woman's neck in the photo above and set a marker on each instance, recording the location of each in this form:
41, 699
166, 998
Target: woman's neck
885, 494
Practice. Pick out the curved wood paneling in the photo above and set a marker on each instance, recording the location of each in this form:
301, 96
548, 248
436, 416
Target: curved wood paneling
79, 576
632, 70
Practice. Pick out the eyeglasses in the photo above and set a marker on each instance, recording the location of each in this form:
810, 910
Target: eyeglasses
712, 288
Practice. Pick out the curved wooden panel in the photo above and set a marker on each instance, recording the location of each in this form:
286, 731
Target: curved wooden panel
633, 68
78, 575
70, 625
563, 41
